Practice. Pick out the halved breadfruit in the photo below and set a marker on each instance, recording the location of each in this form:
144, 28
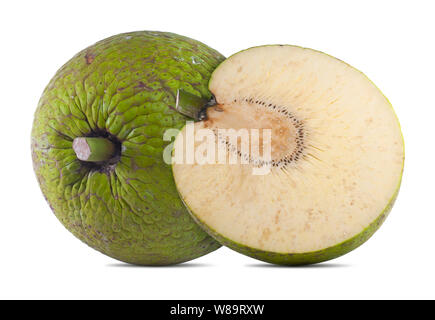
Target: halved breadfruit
335, 164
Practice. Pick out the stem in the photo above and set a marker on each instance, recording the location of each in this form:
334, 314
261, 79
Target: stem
189, 104
93, 149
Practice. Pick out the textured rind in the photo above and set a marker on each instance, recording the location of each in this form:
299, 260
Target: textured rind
314, 256
124, 85
307, 257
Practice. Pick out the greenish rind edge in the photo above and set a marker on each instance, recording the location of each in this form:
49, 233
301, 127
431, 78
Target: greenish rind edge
318, 51
301, 258
313, 256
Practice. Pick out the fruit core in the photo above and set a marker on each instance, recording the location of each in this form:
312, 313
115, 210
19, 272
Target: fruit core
287, 132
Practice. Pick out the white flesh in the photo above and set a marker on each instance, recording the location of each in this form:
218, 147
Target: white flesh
350, 168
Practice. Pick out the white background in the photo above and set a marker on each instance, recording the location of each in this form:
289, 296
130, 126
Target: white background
392, 42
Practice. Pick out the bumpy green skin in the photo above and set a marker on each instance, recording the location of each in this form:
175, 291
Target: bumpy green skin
125, 86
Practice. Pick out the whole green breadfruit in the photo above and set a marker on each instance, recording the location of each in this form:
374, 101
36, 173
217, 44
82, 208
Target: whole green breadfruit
122, 90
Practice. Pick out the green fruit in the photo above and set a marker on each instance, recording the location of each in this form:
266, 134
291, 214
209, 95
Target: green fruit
334, 167
110, 105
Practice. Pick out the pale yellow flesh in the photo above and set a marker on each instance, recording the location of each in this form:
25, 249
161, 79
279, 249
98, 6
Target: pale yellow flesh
350, 168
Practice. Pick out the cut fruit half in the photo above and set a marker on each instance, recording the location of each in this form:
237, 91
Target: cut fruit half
328, 164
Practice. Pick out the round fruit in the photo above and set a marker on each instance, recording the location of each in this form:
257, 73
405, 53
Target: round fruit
97, 144
331, 161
